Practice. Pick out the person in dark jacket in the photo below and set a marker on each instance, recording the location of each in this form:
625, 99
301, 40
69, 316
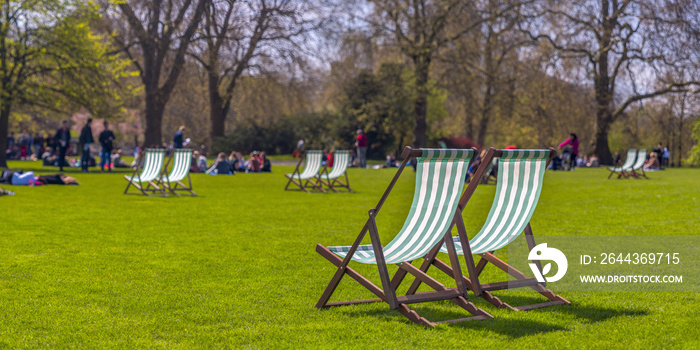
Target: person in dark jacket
85, 141
178, 139
62, 139
106, 137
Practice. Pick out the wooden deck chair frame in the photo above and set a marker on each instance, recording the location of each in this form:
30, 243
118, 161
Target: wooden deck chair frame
387, 293
150, 184
175, 184
324, 177
473, 283
305, 183
622, 170
638, 165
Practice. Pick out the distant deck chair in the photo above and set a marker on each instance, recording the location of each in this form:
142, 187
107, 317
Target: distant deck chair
439, 182
627, 166
520, 177
637, 169
341, 159
181, 158
310, 176
147, 172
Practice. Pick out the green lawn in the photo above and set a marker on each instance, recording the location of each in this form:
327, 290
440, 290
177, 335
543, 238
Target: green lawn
89, 267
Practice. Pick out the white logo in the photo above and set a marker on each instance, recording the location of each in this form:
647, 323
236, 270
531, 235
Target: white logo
542, 252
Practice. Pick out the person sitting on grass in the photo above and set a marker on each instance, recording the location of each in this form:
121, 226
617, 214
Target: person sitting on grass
266, 165
48, 158
221, 166
652, 163
254, 163
593, 161
117, 160
475, 165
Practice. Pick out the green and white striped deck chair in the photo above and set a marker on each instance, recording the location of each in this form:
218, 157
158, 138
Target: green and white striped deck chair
439, 182
627, 166
310, 176
147, 173
638, 165
519, 183
341, 159
181, 159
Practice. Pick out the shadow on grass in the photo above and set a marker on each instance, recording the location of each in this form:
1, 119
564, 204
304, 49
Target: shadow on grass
591, 313
504, 325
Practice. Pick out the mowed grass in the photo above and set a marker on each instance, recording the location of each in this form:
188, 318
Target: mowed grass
236, 267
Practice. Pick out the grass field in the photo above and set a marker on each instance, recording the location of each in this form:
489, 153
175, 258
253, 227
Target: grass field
89, 267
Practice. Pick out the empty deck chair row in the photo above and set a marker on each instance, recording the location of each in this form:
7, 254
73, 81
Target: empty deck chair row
316, 175
633, 165
437, 208
150, 174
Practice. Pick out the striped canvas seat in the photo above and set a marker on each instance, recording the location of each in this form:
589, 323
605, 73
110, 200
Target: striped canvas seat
181, 165
313, 164
641, 159
519, 182
341, 159
151, 167
440, 177
629, 161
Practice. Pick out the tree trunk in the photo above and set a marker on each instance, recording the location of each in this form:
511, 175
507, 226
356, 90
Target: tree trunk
485, 112
600, 140
421, 103
154, 118
217, 113
4, 129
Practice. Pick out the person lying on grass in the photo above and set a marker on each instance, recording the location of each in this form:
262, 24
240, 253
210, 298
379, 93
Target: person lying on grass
20, 178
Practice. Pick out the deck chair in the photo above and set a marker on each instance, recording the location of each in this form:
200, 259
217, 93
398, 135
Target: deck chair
518, 189
439, 181
181, 159
147, 172
637, 169
627, 166
340, 166
310, 176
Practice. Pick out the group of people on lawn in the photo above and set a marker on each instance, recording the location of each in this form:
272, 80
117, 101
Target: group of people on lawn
257, 162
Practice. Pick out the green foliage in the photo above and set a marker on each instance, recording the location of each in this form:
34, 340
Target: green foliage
382, 105
236, 267
53, 60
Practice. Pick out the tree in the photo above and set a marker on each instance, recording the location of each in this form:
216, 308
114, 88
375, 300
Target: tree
238, 35
51, 59
155, 35
479, 66
621, 44
420, 28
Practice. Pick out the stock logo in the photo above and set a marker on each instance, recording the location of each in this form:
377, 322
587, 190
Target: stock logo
542, 252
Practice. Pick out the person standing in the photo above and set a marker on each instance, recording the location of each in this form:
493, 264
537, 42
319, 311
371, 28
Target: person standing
361, 144
178, 139
85, 141
573, 141
62, 139
665, 158
106, 138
